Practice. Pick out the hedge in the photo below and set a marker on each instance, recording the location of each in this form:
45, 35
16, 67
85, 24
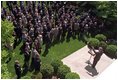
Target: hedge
93, 42
25, 77
111, 49
56, 64
72, 75
37, 76
62, 71
101, 37
103, 45
47, 70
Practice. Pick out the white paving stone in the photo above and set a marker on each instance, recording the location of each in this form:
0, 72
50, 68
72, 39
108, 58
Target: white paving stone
77, 63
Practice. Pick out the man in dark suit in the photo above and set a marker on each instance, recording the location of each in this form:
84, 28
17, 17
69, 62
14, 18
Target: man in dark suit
97, 55
17, 69
37, 62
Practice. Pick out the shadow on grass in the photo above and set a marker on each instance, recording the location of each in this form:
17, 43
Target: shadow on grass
69, 35
84, 37
25, 68
31, 65
45, 52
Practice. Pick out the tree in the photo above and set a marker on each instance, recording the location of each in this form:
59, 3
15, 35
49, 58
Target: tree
104, 9
5, 74
6, 43
107, 9
6, 34
4, 54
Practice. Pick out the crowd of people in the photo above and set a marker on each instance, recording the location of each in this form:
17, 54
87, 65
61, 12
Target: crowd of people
39, 22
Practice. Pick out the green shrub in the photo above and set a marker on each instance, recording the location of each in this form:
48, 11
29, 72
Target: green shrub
25, 77
101, 37
5, 74
47, 70
72, 75
7, 29
56, 64
4, 54
33, 77
37, 76
103, 45
62, 71
111, 49
93, 42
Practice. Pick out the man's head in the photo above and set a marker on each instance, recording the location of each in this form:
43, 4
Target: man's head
16, 62
100, 49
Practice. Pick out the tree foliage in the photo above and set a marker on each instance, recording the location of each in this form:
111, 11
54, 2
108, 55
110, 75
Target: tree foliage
6, 40
4, 54
5, 74
107, 9
6, 33
104, 9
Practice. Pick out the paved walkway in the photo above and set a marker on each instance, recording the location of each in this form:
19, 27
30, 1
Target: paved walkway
78, 63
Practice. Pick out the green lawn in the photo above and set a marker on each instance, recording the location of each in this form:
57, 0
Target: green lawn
58, 51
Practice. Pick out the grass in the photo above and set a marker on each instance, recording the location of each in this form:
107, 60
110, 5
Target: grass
57, 51
61, 50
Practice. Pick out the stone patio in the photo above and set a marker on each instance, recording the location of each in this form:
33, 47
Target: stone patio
78, 63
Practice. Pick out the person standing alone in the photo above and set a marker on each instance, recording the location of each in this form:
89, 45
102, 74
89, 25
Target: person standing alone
97, 55
17, 69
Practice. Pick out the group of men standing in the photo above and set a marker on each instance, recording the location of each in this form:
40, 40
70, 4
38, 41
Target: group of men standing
38, 22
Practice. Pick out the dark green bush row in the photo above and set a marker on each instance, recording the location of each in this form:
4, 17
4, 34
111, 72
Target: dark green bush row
100, 41
101, 37
56, 64
37, 76
103, 45
72, 75
93, 42
47, 70
62, 71
111, 49
56, 67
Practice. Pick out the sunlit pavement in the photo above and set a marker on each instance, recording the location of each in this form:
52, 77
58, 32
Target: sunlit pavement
78, 62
